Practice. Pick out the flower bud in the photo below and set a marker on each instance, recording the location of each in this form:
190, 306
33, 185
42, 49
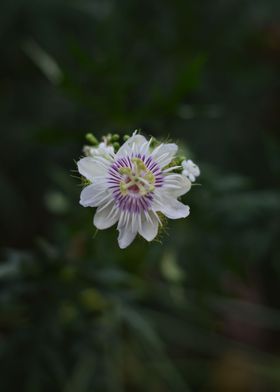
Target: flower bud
116, 146
115, 137
91, 139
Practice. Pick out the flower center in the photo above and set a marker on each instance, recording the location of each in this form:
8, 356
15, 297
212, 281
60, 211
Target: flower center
136, 180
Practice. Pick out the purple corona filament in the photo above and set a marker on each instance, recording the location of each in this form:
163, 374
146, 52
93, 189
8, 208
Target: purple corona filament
133, 181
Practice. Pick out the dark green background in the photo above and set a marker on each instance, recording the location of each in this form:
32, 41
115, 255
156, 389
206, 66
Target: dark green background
196, 310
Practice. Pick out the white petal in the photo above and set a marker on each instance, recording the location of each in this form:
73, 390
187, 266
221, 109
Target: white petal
170, 207
92, 167
134, 222
177, 184
95, 194
133, 144
191, 170
105, 150
106, 217
164, 153
149, 227
126, 236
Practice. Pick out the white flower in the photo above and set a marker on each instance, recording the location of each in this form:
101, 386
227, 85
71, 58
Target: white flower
190, 170
102, 149
132, 186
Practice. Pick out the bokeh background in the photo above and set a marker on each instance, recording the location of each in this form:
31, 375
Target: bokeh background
196, 310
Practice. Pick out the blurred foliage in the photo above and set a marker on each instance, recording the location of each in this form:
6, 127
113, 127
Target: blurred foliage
198, 309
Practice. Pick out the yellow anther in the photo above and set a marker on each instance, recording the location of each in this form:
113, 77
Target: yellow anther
125, 170
139, 164
123, 188
150, 177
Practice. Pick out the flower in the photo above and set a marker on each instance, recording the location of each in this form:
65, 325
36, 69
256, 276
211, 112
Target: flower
190, 170
133, 187
103, 149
